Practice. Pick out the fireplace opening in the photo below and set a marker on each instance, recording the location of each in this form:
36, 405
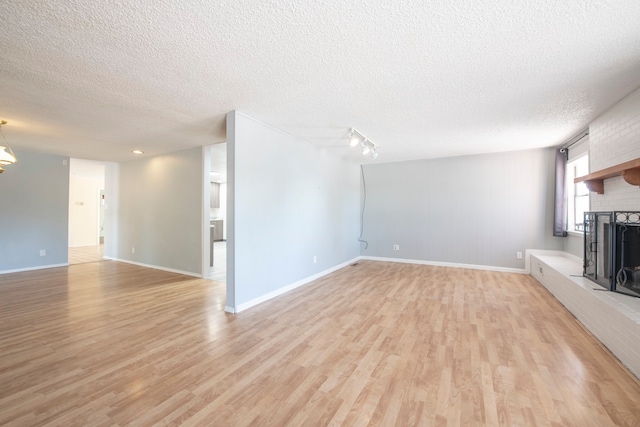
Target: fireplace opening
627, 257
612, 250
597, 253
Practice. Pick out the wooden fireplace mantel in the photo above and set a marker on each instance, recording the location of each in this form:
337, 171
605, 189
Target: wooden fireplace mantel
630, 171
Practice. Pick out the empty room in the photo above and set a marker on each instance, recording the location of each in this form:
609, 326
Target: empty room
291, 214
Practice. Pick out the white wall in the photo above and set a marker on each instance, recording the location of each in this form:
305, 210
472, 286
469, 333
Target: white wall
477, 210
222, 212
86, 179
111, 209
288, 202
159, 211
34, 213
615, 138
574, 244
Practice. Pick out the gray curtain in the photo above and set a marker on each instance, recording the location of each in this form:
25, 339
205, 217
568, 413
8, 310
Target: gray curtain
560, 203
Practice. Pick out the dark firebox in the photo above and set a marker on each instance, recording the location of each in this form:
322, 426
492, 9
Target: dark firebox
612, 250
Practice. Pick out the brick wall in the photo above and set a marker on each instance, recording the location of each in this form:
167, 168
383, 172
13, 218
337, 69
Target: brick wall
614, 138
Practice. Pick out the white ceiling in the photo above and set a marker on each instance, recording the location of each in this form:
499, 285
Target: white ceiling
95, 79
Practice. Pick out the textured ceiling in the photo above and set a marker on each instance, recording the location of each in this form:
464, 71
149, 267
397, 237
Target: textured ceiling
95, 79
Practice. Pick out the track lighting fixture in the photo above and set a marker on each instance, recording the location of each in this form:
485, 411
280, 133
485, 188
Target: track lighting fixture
368, 147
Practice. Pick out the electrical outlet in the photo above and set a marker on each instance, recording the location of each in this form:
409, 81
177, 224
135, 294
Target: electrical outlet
315, 259
43, 252
396, 247
519, 255
133, 250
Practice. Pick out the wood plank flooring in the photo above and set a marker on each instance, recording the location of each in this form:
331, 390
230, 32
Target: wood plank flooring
219, 269
82, 254
112, 344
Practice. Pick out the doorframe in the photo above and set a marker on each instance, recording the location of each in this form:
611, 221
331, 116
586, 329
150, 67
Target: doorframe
205, 212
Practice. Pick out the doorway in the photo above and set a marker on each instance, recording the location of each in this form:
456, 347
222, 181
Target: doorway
86, 211
218, 213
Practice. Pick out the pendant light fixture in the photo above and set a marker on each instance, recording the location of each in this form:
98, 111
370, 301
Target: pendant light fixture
7, 157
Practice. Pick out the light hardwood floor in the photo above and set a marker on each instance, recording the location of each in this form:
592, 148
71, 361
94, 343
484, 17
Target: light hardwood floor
219, 269
82, 254
108, 344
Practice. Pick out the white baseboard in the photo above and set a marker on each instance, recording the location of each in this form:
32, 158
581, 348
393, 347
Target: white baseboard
38, 267
288, 288
447, 264
156, 267
229, 309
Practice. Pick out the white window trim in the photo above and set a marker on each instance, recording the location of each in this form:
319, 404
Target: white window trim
571, 193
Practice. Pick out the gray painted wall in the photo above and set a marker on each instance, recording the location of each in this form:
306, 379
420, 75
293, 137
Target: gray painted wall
290, 201
477, 210
34, 214
159, 211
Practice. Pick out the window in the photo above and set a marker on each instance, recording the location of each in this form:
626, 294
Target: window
577, 194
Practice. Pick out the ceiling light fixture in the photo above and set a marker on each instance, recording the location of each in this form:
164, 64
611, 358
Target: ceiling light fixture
137, 151
7, 157
368, 147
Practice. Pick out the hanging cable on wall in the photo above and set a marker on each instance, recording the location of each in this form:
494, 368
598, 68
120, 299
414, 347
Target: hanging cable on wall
364, 203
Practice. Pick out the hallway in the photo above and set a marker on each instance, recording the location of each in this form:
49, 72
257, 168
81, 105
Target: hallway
83, 254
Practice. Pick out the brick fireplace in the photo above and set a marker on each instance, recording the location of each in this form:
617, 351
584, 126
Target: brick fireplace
613, 318
614, 139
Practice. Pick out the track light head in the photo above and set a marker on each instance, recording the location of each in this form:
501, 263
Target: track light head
353, 138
